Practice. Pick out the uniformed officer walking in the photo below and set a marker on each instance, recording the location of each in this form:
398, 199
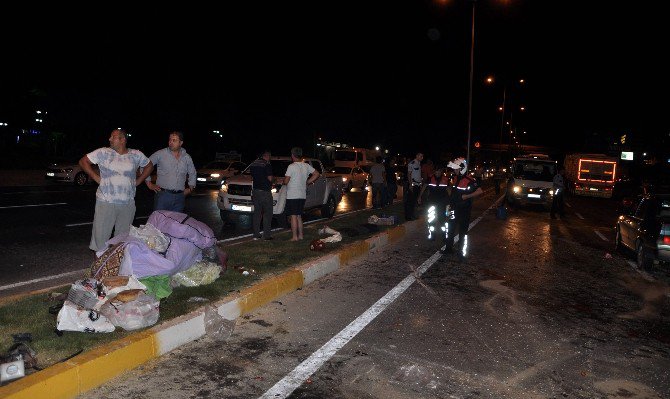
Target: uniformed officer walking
437, 203
413, 186
464, 189
559, 190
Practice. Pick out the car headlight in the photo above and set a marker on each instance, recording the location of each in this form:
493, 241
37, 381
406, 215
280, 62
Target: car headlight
215, 175
516, 189
344, 179
551, 192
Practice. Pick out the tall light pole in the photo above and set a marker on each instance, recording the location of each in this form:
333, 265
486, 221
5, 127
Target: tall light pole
472, 63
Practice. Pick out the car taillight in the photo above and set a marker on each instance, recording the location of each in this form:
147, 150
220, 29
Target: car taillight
666, 240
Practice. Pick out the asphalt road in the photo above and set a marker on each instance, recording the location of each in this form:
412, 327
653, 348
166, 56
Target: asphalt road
46, 230
541, 309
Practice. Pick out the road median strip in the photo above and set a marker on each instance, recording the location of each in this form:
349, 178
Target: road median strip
100, 364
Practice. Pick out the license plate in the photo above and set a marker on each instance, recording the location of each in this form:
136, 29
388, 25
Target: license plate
242, 208
51, 174
593, 189
533, 195
201, 179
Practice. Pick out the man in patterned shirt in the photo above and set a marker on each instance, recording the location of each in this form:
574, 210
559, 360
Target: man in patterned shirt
118, 179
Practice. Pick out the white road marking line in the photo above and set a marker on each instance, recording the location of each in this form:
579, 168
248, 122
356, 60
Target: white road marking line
568, 205
599, 234
41, 192
298, 375
78, 224
579, 215
37, 280
29, 206
90, 223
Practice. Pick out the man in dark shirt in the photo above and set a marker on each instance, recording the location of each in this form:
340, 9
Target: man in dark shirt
261, 171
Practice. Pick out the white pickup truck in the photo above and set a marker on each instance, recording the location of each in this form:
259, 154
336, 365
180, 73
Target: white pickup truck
234, 197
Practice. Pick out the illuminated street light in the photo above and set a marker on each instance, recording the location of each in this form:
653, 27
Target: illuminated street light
472, 62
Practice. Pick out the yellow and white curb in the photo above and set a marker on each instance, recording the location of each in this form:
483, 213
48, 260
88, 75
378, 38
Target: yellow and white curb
95, 367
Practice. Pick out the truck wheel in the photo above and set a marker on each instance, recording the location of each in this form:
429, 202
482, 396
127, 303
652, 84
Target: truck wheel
328, 209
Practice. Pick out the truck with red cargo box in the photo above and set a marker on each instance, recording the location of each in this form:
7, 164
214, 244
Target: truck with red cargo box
591, 175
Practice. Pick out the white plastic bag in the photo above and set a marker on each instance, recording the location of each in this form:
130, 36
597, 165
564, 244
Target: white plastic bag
153, 237
200, 273
140, 313
74, 318
335, 236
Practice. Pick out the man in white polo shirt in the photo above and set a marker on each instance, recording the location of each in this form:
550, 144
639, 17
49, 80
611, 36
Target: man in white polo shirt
118, 179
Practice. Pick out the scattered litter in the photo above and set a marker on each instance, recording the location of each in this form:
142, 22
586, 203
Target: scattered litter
383, 220
139, 313
75, 318
334, 236
318, 245
244, 271
197, 299
151, 236
217, 327
19, 357
200, 273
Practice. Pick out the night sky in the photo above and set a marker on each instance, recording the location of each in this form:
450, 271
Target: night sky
389, 73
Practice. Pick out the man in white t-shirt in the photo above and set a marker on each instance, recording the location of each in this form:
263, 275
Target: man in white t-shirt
118, 179
298, 175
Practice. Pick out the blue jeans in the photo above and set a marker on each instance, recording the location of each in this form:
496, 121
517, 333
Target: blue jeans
167, 201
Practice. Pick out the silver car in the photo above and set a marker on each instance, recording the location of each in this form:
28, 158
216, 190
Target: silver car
68, 173
213, 173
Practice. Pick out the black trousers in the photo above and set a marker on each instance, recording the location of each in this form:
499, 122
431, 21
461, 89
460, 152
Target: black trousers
411, 193
557, 205
458, 225
439, 214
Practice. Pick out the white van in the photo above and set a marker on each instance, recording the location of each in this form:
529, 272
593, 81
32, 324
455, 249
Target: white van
532, 180
352, 157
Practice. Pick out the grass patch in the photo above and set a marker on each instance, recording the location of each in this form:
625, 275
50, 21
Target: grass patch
30, 314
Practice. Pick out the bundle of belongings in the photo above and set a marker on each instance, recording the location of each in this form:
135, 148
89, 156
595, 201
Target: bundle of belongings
137, 269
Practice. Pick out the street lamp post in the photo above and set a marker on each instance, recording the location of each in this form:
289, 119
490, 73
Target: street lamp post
502, 117
472, 62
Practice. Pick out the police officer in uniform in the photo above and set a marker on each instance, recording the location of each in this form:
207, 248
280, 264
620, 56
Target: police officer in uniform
438, 198
413, 186
463, 190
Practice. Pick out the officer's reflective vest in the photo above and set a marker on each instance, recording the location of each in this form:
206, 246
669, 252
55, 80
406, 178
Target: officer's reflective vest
442, 182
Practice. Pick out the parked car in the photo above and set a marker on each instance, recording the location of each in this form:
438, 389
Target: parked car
214, 173
644, 227
351, 177
234, 197
68, 173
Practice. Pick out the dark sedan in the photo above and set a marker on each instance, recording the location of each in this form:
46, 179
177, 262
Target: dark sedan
644, 227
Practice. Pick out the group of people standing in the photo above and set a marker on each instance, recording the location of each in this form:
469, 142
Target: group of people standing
383, 182
449, 200
118, 179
